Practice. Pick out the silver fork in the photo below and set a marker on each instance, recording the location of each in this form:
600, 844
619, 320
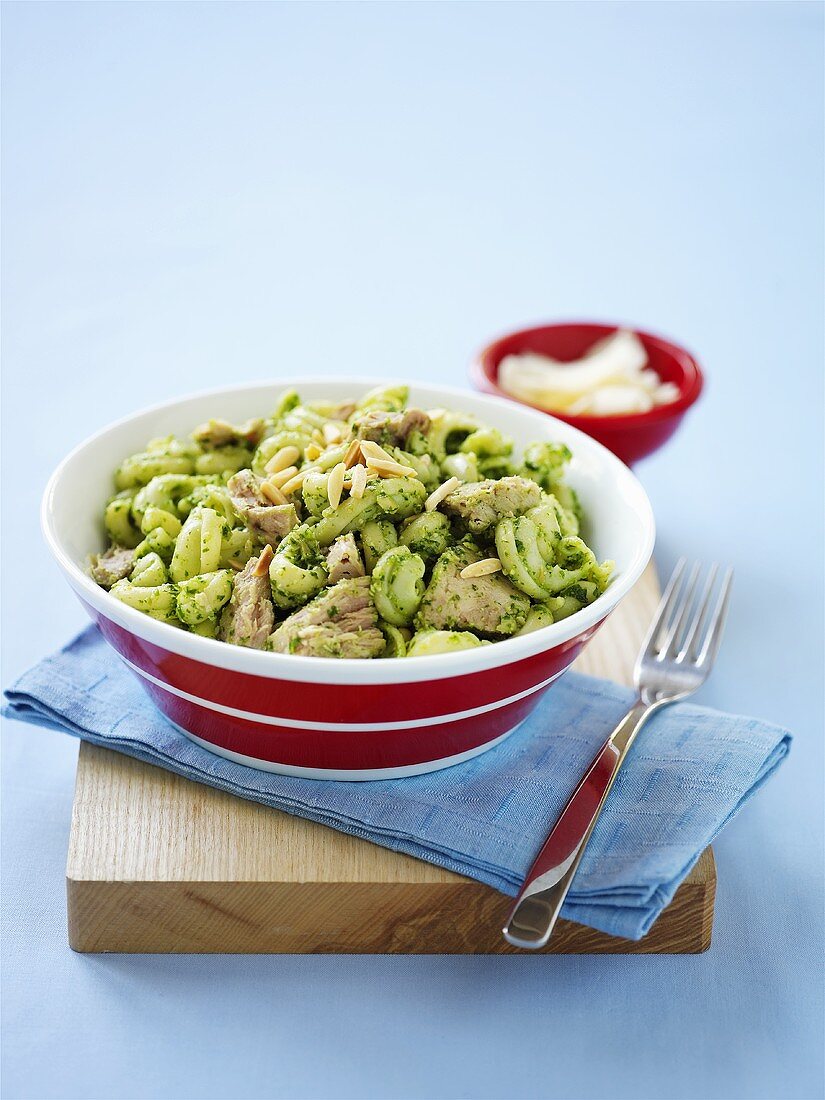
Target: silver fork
675, 659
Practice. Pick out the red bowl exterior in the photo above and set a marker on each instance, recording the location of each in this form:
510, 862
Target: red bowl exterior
631, 437
286, 725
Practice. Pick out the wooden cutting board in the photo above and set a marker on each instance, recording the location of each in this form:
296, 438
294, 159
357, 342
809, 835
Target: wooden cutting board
158, 863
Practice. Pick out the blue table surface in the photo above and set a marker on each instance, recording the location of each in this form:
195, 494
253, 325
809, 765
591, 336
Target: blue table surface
198, 194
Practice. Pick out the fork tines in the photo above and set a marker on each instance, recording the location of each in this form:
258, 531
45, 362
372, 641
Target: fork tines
688, 627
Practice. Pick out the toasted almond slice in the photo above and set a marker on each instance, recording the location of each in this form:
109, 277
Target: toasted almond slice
311, 452
283, 476
358, 482
287, 456
372, 450
389, 468
262, 566
335, 485
435, 498
332, 433
294, 483
353, 454
238, 565
480, 568
272, 493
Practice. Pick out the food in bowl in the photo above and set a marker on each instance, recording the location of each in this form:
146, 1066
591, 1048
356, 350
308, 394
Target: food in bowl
362, 528
343, 718
612, 378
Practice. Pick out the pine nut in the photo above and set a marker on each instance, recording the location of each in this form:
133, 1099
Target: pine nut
353, 454
262, 565
287, 456
294, 483
435, 498
335, 485
272, 493
372, 450
358, 481
389, 468
481, 568
283, 476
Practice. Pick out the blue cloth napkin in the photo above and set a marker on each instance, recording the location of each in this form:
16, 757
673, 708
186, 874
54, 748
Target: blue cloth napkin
688, 774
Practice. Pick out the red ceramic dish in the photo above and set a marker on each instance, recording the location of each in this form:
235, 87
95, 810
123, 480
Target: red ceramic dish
631, 436
339, 730
317, 716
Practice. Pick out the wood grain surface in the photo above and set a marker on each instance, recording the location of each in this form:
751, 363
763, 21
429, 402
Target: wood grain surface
160, 864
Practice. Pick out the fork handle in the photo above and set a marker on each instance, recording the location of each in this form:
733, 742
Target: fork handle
539, 902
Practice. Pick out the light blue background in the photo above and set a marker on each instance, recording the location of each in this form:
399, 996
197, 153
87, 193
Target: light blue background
199, 194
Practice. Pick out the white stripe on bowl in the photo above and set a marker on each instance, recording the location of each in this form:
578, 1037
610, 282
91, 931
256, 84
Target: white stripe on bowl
403, 771
341, 727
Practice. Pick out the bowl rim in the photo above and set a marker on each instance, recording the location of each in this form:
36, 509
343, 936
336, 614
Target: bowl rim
481, 372
350, 670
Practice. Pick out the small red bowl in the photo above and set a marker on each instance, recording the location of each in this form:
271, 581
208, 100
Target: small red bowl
630, 436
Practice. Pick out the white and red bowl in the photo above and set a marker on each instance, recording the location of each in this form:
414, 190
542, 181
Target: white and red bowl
342, 719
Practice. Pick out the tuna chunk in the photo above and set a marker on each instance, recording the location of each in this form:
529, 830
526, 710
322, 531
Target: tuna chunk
344, 559
340, 622
390, 429
220, 433
248, 618
481, 504
487, 605
270, 522
112, 566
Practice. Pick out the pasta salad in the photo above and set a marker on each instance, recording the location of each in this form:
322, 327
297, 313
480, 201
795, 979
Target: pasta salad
364, 529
